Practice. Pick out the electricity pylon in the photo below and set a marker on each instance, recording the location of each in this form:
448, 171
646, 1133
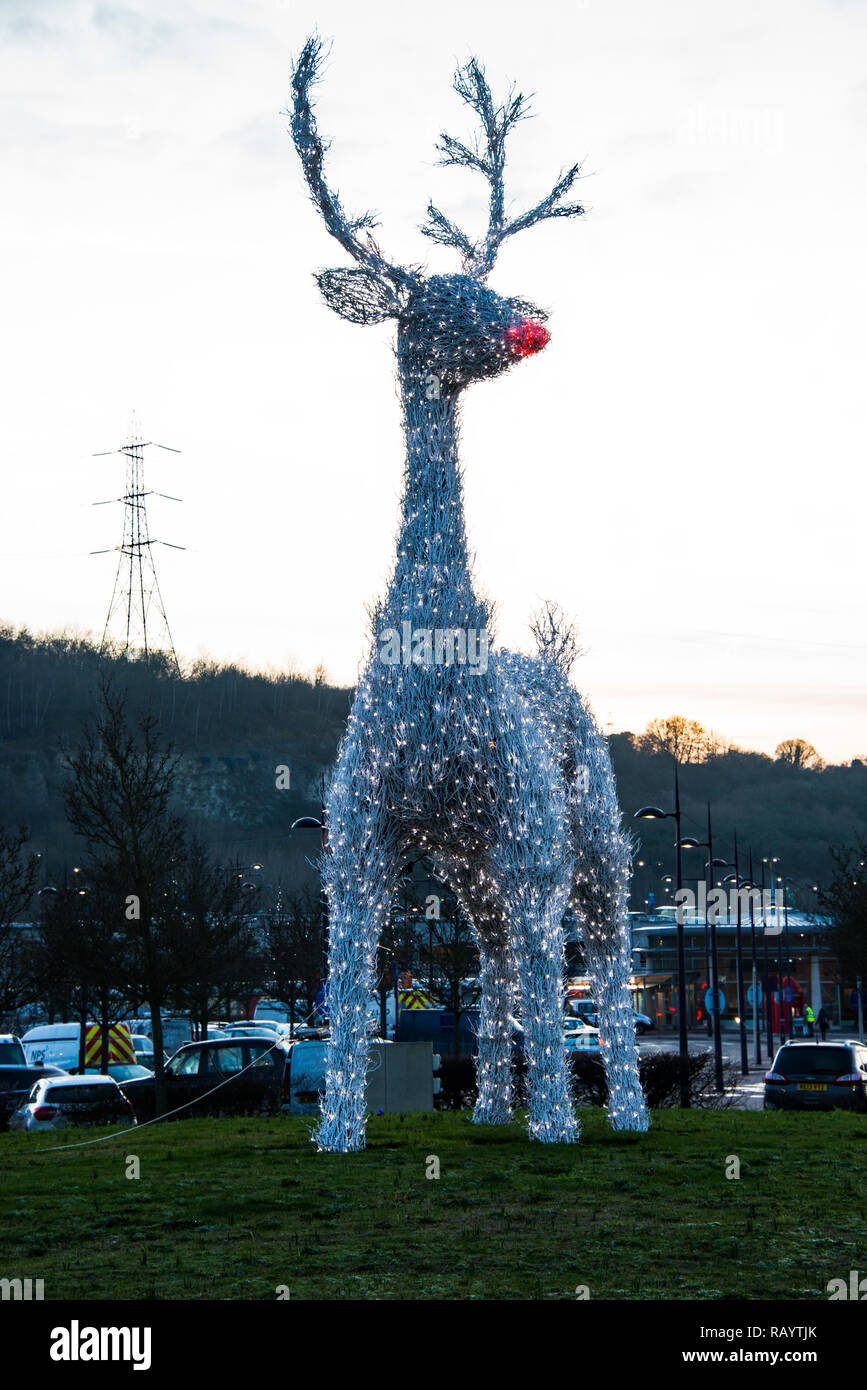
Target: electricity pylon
136, 614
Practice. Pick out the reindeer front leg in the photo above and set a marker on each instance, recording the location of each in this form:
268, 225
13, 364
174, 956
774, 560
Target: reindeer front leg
540, 959
359, 868
494, 1059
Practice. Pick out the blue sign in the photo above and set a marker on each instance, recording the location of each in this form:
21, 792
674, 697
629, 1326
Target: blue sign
750, 994
711, 1003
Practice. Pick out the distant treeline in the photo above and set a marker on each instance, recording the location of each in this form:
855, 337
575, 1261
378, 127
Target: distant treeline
791, 813
234, 727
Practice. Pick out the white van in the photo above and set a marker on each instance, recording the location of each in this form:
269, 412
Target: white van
57, 1044
53, 1044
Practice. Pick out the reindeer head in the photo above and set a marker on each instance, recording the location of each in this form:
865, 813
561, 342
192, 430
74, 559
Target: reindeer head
452, 327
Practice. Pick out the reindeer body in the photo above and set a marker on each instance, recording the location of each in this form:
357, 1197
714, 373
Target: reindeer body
468, 759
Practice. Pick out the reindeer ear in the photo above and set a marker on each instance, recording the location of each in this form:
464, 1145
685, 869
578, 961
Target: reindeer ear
357, 295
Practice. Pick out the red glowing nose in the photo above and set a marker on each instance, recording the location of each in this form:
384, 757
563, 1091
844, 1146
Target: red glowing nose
523, 339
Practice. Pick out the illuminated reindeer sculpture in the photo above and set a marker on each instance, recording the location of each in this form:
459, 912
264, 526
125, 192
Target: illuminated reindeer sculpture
492, 769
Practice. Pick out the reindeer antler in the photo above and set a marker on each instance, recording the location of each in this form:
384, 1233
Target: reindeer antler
311, 151
488, 155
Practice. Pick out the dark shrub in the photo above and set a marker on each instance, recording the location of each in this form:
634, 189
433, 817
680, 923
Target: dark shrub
660, 1074
457, 1083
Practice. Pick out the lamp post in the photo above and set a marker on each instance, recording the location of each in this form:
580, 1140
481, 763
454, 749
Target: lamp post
778, 933
654, 813
757, 1030
311, 823
735, 878
788, 954
710, 920
769, 1013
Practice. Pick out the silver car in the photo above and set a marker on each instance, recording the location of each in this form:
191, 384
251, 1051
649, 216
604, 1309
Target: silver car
58, 1101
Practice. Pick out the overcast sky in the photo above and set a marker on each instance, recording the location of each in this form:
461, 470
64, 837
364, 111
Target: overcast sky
682, 468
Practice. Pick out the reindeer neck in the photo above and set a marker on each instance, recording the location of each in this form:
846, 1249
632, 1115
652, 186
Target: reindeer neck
432, 584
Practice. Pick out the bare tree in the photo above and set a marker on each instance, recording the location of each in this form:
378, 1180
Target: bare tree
844, 899
293, 949
204, 917
17, 885
84, 958
119, 801
455, 957
555, 636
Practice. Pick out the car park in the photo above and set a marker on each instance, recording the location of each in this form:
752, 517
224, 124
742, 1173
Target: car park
818, 1076
55, 1102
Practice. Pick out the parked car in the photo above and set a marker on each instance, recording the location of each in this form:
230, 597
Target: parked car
272, 1025
11, 1051
135, 1081
144, 1051
818, 1076
16, 1083
585, 1009
224, 1076
177, 1030
56, 1102
250, 1030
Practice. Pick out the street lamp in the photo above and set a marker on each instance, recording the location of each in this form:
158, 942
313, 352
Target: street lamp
785, 1027
735, 878
710, 917
311, 823
769, 1013
788, 985
655, 813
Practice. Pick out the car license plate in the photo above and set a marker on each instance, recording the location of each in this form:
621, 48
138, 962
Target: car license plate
811, 1086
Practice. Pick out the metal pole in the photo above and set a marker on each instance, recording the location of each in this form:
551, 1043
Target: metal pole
757, 1031
780, 989
860, 1010
745, 1064
683, 1041
717, 1011
788, 966
768, 1011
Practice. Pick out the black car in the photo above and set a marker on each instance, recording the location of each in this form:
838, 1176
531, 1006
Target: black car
224, 1076
818, 1076
16, 1083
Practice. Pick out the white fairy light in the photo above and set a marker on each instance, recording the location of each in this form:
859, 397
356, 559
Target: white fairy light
473, 768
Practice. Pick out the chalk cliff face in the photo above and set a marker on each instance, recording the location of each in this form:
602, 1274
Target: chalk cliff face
232, 730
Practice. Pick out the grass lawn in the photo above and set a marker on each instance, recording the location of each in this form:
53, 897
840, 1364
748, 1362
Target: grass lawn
233, 1208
